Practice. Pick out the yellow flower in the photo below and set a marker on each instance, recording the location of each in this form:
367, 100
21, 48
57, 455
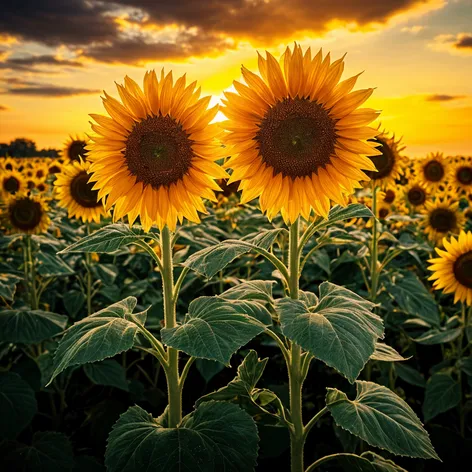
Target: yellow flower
74, 149
26, 214
416, 194
460, 176
155, 157
11, 182
75, 193
295, 136
442, 217
452, 270
432, 171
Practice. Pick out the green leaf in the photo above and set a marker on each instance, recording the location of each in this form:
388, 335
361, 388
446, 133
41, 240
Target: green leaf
249, 373
414, 299
216, 437
386, 354
107, 240
211, 260
382, 419
442, 394
339, 213
107, 372
73, 300
410, 375
208, 369
103, 334
8, 284
367, 462
49, 452
465, 365
215, 328
30, 326
438, 336
255, 290
17, 405
340, 329
49, 265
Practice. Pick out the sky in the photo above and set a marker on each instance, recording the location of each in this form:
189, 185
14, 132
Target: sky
56, 57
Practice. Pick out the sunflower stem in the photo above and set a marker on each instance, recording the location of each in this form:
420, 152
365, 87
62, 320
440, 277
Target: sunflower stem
297, 436
174, 391
374, 272
459, 374
31, 274
88, 267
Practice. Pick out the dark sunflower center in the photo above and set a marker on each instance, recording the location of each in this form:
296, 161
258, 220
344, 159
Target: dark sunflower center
9, 167
433, 171
41, 187
25, 214
54, 169
30, 184
296, 137
76, 150
158, 151
442, 220
463, 269
11, 184
40, 174
416, 196
464, 175
389, 196
384, 163
82, 192
383, 213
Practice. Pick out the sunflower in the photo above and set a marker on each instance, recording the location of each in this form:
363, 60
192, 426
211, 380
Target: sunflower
75, 193
432, 170
460, 176
416, 194
295, 135
26, 213
390, 165
155, 157
75, 148
8, 163
452, 270
11, 182
442, 217
55, 167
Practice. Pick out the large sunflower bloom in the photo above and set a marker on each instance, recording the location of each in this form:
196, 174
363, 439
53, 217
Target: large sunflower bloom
432, 170
295, 136
25, 213
441, 218
75, 148
154, 158
452, 270
75, 193
460, 176
11, 182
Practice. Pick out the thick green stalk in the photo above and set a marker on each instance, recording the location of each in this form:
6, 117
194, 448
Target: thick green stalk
374, 272
297, 438
88, 266
32, 274
174, 392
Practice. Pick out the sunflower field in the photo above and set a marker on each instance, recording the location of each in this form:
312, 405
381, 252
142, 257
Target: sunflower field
282, 290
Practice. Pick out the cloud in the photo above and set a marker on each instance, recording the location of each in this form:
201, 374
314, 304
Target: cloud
459, 44
31, 63
443, 98
15, 86
128, 31
412, 29
3, 108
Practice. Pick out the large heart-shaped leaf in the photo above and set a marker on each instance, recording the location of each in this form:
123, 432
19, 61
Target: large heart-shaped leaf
17, 404
30, 326
107, 372
442, 394
8, 284
366, 462
215, 328
386, 353
339, 213
211, 260
217, 437
103, 334
340, 329
382, 419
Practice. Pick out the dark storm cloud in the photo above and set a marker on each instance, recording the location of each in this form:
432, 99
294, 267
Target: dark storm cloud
205, 27
443, 98
15, 86
35, 63
464, 42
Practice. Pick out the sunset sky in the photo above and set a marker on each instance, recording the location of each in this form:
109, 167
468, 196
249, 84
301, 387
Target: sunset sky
57, 56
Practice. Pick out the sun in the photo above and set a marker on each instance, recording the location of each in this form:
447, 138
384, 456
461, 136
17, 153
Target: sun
75, 193
296, 137
154, 157
452, 270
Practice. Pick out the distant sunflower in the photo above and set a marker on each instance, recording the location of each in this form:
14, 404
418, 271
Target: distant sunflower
41, 186
416, 194
75, 193
442, 217
8, 163
74, 148
41, 172
452, 270
295, 135
26, 214
155, 157
11, 182
460, 176
390, 165
432, 170
55, 167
